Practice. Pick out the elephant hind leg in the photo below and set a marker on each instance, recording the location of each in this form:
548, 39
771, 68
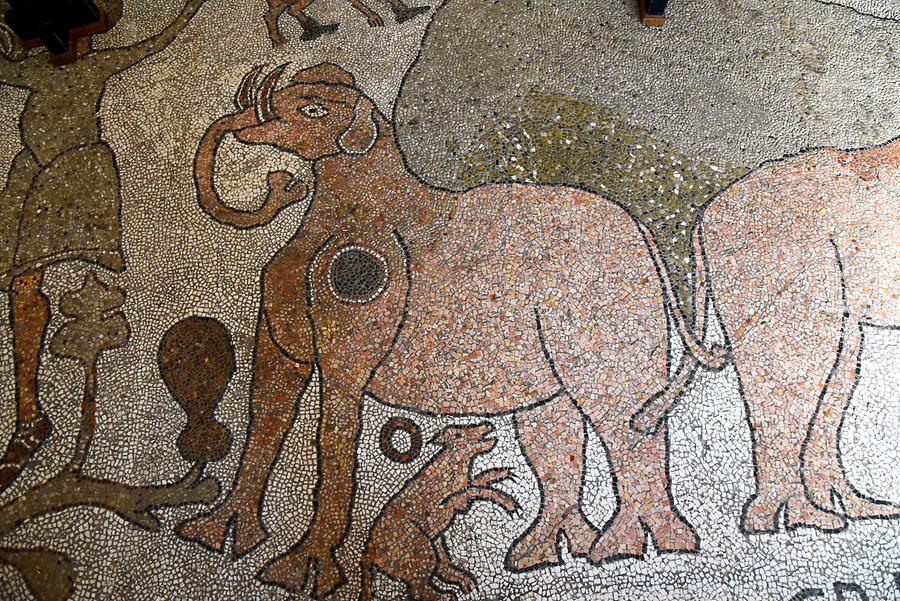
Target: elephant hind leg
823, 473
781, 410
785, 346
641, 483
552, 437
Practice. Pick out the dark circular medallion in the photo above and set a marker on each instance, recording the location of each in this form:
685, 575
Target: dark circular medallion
357, 275
396, 425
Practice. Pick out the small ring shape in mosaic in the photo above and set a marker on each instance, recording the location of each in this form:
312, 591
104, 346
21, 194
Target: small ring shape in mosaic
396, 425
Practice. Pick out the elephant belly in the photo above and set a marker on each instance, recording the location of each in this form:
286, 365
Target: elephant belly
870, 253
471, 341
452, 362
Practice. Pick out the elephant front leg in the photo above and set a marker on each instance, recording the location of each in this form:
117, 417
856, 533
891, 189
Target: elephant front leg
278, 384
552, 437
312, 560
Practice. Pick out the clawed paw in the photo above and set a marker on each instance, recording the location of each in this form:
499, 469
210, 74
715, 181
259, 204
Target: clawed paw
507, 502
493, 475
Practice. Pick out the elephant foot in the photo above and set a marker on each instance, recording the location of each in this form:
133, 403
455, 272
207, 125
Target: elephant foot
820, 488
580, 533
536, 548
823, 485
539, 546
858, 507
310, 563
623, 537
402, 15
800, 513
211, 530
760, 512
673, 534
823, 476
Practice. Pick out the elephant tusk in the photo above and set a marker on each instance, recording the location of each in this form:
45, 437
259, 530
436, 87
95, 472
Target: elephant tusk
243, 99
264, 110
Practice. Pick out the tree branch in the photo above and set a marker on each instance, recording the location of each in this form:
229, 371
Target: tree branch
133, 503
115, 60
88, 420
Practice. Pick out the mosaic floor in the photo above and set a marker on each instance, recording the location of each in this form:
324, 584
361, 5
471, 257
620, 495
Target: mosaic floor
453, 300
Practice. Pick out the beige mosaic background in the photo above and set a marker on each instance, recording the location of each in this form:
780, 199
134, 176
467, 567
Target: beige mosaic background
725, 84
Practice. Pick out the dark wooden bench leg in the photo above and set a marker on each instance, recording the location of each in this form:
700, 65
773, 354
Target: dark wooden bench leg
653, 12
56, 24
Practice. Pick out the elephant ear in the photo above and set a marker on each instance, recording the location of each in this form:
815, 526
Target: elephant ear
360, 136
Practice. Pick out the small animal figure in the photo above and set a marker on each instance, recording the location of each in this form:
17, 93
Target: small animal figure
407, 540
313, 29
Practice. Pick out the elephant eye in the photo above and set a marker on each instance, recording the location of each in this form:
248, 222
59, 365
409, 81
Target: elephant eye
314, 111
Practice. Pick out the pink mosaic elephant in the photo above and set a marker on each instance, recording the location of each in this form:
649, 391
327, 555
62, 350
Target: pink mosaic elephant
799, 256
542, 301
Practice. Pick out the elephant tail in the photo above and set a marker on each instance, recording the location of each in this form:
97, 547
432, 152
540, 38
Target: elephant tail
649, 418
716, 357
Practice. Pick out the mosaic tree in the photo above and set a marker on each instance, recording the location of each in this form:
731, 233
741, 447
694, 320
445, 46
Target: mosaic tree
95, 325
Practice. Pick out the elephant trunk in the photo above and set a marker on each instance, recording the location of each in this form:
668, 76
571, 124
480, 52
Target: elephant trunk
204, 174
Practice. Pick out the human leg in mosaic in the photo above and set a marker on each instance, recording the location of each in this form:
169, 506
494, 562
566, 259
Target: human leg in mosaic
375, 300
47, 215
95, 325
312, 29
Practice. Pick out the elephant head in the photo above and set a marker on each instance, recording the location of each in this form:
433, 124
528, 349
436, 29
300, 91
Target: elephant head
320, 113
